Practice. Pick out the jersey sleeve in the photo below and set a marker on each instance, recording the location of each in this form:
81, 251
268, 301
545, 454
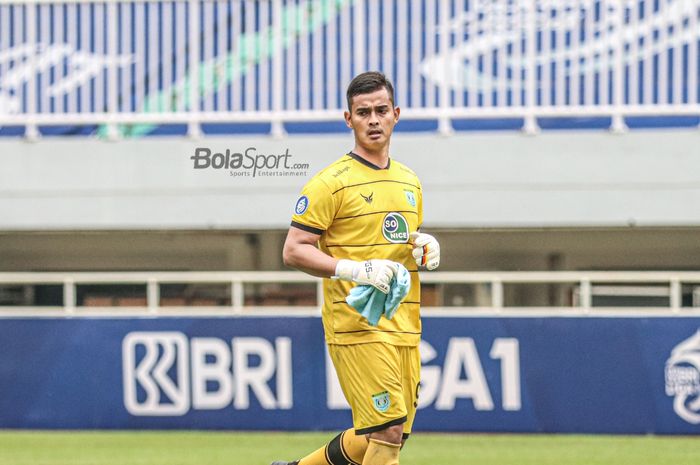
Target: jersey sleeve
315, 209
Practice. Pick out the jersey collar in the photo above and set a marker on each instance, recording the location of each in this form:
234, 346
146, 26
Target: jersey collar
367, 163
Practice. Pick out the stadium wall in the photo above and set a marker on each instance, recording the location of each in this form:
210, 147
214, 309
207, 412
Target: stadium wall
555, 179
535, 249
491, 374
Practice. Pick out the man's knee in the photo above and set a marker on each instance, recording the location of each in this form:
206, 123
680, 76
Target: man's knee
392, 434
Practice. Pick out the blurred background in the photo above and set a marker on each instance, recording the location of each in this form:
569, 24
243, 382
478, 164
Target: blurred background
151, 154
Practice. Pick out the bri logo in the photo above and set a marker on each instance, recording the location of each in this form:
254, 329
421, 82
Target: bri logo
683, 379
168, 374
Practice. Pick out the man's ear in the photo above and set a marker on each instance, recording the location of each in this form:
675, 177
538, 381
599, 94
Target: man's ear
397, 111
348, 120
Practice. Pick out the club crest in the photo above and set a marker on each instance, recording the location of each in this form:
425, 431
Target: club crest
410, 196
381, 401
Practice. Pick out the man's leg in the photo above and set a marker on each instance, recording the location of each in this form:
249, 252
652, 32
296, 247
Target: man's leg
372, 381
370, 377
384, 446
346, 448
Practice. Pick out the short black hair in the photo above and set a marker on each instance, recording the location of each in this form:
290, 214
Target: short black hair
369, 82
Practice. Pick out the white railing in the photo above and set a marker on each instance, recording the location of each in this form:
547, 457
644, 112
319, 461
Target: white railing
127, 65
584, 287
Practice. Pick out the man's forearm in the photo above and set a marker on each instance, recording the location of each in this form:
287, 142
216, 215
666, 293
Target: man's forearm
309, 259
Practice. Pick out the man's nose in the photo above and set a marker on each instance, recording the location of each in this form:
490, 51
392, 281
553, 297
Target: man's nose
373, 119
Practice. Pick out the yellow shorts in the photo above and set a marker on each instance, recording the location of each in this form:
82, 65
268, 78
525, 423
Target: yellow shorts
380, 382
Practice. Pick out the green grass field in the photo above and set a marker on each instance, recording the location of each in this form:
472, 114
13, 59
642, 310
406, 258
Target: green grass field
228, 448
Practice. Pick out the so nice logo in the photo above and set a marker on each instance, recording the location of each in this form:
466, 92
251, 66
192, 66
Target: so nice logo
395, 228
683, 379
167, 374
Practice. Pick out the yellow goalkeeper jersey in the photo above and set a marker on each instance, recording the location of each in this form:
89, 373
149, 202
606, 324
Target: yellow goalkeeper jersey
364, 212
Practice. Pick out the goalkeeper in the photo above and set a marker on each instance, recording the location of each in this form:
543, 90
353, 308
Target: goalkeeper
354, 223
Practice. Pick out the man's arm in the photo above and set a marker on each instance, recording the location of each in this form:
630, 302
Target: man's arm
300, 252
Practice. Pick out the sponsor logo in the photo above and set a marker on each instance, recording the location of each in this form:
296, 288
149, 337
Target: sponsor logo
682, 375
500, 27
339, 172
248, 163
410, 196
395, 228
368, 198
381, 401
160, 373
66, 70
167, 374
302, 205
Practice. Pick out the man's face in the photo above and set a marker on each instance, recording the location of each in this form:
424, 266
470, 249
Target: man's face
372, 118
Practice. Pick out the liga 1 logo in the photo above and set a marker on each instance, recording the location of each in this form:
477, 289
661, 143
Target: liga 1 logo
395, 228
682, 376
301, 205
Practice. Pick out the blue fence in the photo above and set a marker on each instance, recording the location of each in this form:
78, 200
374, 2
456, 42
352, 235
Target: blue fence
586, 375
128, 66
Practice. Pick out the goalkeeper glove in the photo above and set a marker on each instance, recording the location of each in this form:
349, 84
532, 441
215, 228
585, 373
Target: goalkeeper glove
377, 272
426, 250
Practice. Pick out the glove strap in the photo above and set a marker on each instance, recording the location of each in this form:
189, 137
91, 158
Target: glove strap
345, 270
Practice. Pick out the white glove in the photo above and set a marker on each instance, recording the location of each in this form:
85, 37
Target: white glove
377, 272
426, 250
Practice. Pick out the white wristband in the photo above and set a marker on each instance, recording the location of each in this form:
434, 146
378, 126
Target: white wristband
345, 269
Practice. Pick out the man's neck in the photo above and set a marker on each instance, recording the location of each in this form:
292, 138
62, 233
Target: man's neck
379, 158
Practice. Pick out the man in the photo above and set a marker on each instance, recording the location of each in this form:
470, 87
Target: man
364, 211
